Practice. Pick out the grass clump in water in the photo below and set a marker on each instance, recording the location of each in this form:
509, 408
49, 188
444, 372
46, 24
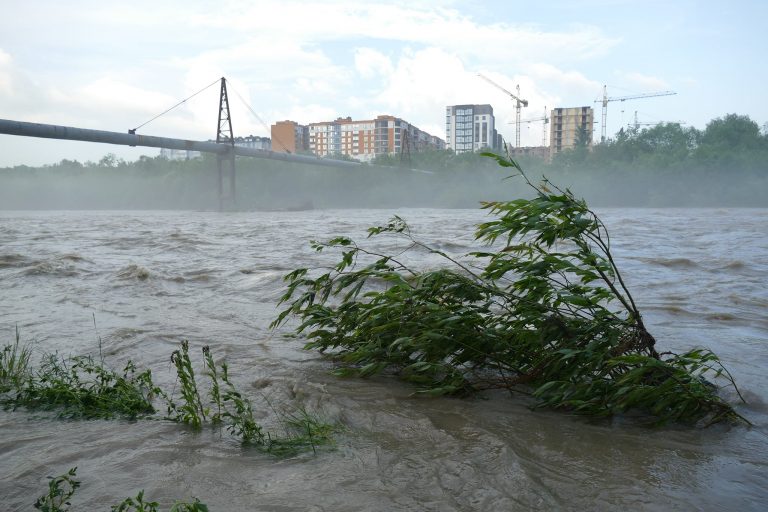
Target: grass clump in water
14, 364
63, 487
191, 410
229, 407
60, 490
548, 313
80, 387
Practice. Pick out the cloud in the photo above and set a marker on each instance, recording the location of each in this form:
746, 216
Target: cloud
370, 63
306, 61
644, 83
568, 84
422, 83
5, 73
427, 25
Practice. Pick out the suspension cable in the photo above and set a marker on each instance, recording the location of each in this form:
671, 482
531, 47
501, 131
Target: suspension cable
176, 105
259, 118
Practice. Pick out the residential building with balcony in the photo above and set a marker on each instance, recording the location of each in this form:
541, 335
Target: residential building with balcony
365, 139
254, 142
179, 154
471, 128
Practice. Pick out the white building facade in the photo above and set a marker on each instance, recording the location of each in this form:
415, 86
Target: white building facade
471, 128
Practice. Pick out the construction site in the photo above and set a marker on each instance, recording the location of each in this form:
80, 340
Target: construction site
468, 128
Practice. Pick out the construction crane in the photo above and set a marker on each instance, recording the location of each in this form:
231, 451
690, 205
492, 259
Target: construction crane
545, 118
606, 99
637, 124
519, 104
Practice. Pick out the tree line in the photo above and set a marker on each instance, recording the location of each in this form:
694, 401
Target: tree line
669, 165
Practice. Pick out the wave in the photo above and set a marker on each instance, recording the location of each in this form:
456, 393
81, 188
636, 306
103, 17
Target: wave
133, 271
671, 262
734, 265
13, 260
62, 265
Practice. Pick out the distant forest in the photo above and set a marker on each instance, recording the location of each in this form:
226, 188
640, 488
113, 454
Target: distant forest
668, 165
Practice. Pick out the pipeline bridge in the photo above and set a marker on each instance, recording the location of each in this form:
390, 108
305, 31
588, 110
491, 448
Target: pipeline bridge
224, 147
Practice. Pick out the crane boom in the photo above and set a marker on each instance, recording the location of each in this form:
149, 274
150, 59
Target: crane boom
606, 100
519, 103
538, 120
638, 124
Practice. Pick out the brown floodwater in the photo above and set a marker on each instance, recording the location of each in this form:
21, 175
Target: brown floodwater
153, 279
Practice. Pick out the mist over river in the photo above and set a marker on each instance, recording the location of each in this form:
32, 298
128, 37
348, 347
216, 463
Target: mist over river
155, 278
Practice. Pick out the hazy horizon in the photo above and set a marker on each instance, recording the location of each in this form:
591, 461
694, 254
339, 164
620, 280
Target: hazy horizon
112, 67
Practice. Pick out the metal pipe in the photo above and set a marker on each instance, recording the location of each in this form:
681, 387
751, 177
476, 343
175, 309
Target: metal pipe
53, 131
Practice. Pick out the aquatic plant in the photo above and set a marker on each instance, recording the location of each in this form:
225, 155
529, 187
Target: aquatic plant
60, 490
303, 430
240, 420
213, 374
63, 487
79, 387
138, 504
547, 313
191, 411
233, 410
14, 364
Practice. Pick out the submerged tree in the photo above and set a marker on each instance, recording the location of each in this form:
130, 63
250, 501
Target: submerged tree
547, 312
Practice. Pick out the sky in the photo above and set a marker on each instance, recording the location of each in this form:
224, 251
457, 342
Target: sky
115, 65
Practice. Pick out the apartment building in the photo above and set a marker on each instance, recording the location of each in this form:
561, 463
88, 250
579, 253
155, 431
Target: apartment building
290, 137
251, 141
542, 152
565, 126
179, 154
365, 139
254, 142
471, 128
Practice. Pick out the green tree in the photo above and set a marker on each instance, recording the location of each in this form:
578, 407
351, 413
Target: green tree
732, 132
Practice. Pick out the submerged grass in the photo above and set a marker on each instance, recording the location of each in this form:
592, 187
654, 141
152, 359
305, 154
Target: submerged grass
230, 408
61, 489
14, 364
82, 388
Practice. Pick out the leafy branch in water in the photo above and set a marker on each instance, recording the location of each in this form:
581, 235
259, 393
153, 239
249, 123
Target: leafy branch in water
546, 312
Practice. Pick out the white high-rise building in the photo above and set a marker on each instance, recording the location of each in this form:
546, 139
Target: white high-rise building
471, 128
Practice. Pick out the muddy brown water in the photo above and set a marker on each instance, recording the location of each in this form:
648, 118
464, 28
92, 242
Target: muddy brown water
154, 278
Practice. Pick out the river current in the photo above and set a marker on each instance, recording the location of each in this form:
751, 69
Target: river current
143, 281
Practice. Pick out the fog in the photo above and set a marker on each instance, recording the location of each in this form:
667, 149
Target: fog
460, 182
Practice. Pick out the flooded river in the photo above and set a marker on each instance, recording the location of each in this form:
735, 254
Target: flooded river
152, 279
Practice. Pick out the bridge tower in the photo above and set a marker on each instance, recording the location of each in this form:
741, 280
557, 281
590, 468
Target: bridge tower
226, 161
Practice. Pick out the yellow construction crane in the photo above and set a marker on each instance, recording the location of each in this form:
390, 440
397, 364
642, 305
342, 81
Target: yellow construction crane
519, 104
606, 99
545, 118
